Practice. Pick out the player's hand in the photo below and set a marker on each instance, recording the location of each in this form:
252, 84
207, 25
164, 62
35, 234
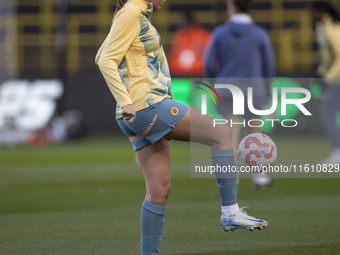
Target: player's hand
129, 113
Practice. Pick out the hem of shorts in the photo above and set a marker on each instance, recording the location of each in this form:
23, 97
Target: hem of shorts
164, 133
153, 141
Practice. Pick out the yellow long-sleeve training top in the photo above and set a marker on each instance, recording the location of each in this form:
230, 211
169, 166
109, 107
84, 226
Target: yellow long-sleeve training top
328, 35
132, 59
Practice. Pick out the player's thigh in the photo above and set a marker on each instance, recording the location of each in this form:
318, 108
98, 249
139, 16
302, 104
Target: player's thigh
154, 160
200, 128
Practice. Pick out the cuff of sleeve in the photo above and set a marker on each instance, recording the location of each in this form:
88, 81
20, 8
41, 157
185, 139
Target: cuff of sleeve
124, 103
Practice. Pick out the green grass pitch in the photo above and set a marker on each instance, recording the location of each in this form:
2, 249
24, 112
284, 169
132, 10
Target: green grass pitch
84, 198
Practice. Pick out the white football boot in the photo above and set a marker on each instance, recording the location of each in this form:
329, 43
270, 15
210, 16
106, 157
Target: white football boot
241, 220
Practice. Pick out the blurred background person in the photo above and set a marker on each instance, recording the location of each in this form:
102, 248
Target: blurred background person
241, 49
327, 29
186, 53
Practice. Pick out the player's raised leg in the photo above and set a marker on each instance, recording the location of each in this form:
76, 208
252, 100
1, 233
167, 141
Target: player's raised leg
198, 128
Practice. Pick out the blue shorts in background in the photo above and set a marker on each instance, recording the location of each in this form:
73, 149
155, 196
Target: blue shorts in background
153, 123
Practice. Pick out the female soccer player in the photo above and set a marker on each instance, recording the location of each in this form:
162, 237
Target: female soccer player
327, 23
135, 68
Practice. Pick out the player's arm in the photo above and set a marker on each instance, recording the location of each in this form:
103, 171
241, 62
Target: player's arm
99, 53
268, 57
268, 61
324, 51
124, 30
210, 59
333, 33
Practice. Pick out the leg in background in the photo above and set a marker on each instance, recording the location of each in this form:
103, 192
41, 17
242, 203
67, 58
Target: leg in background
330, 107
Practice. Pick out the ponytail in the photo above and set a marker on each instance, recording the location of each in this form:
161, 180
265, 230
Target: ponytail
119, 5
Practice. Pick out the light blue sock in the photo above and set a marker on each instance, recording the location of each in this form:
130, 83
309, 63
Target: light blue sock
226, 182
152, 224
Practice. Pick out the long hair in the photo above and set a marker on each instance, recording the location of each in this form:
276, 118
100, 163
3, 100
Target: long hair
326, 7
119, 5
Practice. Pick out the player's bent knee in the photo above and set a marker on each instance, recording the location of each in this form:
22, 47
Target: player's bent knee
160, 194
222, 137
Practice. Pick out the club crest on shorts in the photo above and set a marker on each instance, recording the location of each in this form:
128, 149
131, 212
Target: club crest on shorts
174, 110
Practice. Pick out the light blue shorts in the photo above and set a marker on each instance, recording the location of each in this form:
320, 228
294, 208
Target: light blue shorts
153, 123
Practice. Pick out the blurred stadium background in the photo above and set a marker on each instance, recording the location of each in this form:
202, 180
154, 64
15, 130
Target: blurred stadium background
59, 39
83, 197
36, 28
